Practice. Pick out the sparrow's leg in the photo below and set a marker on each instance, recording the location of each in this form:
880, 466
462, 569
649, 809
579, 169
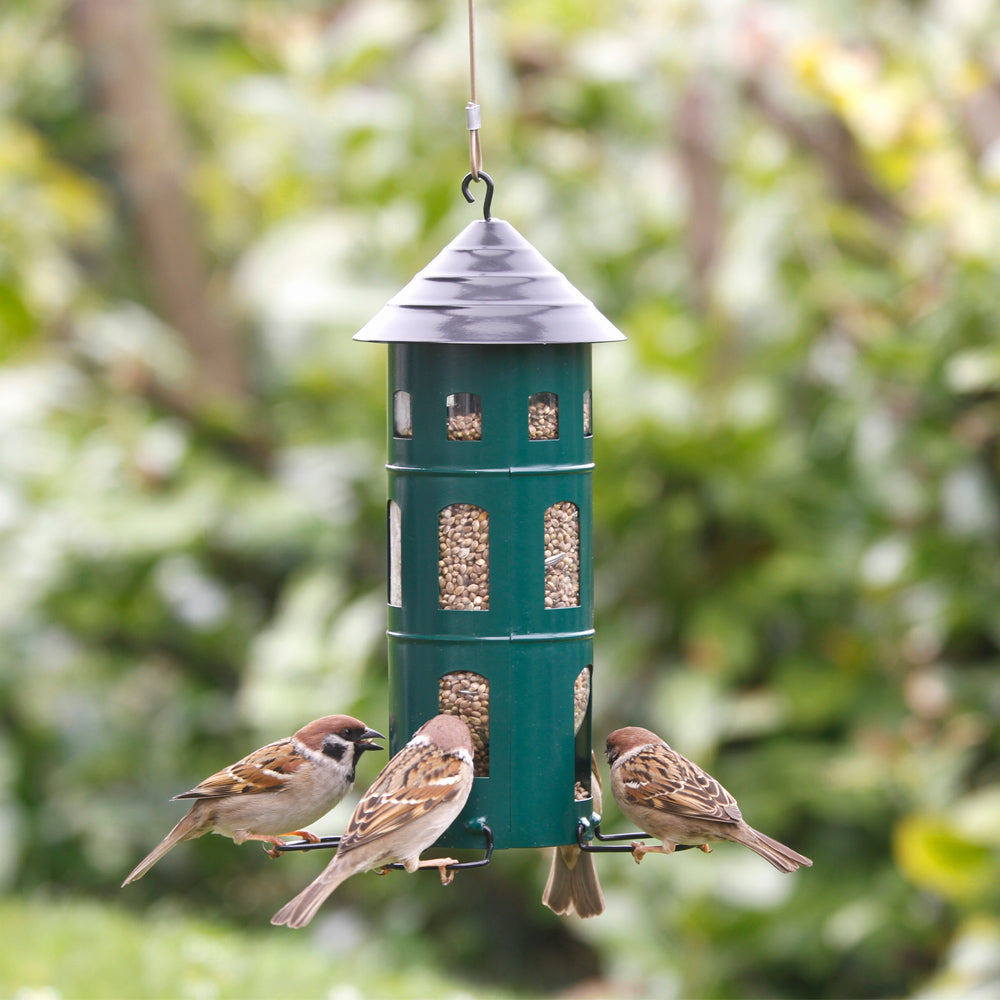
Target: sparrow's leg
305, 835
640, 850
441, 864
272, 851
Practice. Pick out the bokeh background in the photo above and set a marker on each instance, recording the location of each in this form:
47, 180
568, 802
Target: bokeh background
793, 211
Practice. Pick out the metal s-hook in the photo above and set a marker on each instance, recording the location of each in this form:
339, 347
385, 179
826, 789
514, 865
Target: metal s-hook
470, 197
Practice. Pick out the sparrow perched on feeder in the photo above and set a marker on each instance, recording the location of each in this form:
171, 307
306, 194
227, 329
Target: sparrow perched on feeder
418, 795
573, 885
275, 790
674, 800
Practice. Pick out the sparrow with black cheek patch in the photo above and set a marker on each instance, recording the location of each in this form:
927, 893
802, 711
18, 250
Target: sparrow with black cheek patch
274, 791
674, 800
418, 795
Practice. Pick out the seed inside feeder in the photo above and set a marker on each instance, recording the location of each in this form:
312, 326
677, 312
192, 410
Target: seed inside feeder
464, 558
562, 555
467, 695
581, 698
543, 416
465, 417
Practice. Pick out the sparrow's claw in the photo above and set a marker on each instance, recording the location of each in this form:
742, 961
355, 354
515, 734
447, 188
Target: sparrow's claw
442, 865
639, 851
304, 835
705, 848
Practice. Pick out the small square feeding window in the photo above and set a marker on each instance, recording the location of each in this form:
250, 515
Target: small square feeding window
402, 416
543, 416
465, 417
467, 695
463, 558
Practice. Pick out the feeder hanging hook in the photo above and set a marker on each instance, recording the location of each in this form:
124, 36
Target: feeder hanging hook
470, 197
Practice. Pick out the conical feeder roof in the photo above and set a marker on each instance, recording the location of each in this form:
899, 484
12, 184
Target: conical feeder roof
489, 286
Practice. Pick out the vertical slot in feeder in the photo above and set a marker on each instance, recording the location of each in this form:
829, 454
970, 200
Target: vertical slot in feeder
464, 558
562, 555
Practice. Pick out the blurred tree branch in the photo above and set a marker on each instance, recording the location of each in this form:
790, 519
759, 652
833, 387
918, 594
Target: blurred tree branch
118, 41
700, 165
830, 142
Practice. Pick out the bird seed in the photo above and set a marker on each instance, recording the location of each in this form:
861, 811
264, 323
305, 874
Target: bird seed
562, 555
465, 417
467, 695
543, 416
581, 698
464, 558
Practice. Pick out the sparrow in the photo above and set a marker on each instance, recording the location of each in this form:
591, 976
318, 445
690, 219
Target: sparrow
674, 800
573, 885
273, 791
418, 795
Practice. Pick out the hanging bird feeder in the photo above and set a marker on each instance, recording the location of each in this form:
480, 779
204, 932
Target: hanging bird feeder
490, 524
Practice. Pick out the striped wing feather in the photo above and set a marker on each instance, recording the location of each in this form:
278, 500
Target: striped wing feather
658, 778
264, 770
417, 780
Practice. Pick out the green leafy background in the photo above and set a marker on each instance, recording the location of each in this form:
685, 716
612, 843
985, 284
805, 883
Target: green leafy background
792, 210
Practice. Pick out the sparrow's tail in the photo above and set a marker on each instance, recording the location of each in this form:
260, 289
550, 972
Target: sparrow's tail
573, 884
781, 856
188, 828
299, 911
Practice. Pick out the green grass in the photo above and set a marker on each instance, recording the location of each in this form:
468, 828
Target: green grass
77, 950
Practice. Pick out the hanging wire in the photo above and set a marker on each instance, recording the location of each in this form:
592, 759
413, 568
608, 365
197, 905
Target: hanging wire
473, 122
473, 119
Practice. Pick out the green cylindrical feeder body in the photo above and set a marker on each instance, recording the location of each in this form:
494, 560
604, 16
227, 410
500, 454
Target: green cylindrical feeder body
529, 654
490, 531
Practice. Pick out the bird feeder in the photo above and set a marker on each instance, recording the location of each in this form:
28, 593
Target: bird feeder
489, 525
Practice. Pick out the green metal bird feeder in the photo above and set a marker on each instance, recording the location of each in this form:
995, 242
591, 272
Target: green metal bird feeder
489, 521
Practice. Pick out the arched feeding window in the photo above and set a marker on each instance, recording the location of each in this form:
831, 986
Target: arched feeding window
463, 558
465, 417
588, 424
562, 555
395, 554
543, 416
467, 695
402, 414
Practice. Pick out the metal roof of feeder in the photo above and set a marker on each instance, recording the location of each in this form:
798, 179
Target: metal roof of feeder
489, 286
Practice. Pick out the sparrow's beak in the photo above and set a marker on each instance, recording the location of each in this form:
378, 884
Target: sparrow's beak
369, 734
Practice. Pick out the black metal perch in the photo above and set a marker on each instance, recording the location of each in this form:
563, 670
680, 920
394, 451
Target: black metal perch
584, 827
327, 843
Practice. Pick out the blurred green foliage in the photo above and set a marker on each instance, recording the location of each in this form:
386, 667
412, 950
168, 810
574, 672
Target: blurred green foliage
793, 211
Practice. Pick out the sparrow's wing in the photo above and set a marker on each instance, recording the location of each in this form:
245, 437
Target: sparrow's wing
265, 770
658, 778
418, 779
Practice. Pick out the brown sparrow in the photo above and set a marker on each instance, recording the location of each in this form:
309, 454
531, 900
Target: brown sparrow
418, 795
674, 800
573, 885
275, 790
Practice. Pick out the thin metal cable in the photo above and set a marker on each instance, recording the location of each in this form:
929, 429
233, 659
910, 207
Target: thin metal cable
473, 120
